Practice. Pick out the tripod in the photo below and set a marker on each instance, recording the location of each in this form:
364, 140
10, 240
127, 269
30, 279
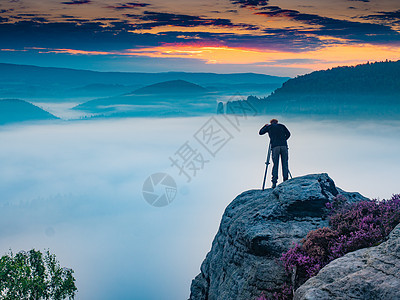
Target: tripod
266, 166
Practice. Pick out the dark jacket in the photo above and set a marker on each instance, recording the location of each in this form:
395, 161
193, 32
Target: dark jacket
278, 133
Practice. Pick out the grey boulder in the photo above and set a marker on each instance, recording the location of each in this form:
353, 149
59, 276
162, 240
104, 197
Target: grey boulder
256, 228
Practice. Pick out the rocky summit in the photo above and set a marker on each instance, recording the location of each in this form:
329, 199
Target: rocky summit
256, 228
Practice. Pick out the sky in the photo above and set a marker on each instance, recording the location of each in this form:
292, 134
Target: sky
277, 37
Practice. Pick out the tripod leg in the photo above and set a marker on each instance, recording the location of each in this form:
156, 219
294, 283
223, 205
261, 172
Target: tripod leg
265, 176
266, 166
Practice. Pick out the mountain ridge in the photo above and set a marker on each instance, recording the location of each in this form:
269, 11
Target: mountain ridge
16, 110
171, 87
357, 91
52, 84
238, 77
366, 78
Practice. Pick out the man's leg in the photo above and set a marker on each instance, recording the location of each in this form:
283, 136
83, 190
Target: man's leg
285, 162
275, 160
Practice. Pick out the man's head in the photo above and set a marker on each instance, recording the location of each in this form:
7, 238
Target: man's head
274, 121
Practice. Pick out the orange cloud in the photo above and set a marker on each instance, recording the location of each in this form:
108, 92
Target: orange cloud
74, 51
331, 56
325, 58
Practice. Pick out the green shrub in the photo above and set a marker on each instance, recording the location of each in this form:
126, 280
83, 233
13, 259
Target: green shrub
34, 276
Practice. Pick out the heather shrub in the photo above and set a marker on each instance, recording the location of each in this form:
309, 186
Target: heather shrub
318, 243
337, 203
285, 293
262, 297
352, 227
299, 263
364, 224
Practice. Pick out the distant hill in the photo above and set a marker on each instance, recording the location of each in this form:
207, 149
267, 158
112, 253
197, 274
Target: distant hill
381, 78
14, 110
372, 88
163, 98
96, 89
33, 74
59, 83
171, 87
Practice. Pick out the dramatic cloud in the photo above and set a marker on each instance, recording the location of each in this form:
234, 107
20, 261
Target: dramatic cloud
77, 2
3, 11
157, 19
118, 36
114, 35
105, 19
391, 17
27, 15
250, 3
67, 17
275, 39
220, 33
39, 19
85, 36
349, 30
129, 5
78, 20
292, 61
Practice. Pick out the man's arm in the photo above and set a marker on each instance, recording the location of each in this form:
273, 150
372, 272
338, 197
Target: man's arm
287, 132
264, 129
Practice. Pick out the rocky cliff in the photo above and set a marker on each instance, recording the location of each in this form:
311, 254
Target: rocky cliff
256, 228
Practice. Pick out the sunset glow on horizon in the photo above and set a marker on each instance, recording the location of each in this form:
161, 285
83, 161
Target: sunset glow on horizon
286, 37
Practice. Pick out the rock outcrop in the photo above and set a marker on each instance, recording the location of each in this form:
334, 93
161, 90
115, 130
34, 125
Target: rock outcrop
256, 228
370, 273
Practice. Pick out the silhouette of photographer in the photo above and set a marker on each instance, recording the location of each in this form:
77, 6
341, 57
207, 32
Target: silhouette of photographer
278, 134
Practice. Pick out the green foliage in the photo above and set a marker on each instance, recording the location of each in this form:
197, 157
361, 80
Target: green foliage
34, 276
364, 90
380, 78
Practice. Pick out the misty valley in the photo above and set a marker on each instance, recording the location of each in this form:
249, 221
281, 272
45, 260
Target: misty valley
78, 147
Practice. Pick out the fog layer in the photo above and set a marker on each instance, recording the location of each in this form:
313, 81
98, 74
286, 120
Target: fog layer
76, 188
